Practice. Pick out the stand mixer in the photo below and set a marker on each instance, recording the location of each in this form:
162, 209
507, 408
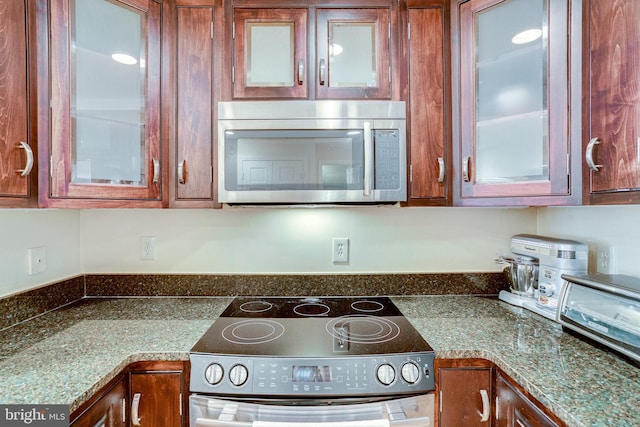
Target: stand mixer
540, 292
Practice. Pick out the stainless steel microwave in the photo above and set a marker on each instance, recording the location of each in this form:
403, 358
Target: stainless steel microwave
312, 152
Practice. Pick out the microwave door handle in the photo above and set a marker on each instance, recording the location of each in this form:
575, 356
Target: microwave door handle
368, 159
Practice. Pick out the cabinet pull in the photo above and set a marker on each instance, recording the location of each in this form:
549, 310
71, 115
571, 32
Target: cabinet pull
440, 169
135, 406
486, 407
300, 71
156, 171
322, 72
465, 169
102, 422
181, 167
29, 163
588, 155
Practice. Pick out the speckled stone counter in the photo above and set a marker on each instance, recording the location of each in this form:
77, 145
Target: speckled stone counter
583, 385
68, 354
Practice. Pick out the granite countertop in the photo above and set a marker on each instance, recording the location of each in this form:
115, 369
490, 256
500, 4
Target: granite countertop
65, 356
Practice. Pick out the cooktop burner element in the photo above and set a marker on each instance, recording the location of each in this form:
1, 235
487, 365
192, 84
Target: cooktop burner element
253, 331
363, 329
269, 346
311, 309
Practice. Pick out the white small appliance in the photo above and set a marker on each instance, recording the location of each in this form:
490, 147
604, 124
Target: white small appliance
555, 257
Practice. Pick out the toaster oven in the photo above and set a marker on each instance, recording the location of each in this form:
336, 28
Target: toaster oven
604, 308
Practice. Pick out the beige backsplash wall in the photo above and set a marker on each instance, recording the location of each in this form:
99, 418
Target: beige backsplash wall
252, 240
299, 240
618, 226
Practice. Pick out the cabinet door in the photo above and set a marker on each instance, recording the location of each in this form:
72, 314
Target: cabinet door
512, 133
612, 101
194, 149
270, 53
353, 55
105, 99
108, 411
156, 399
427, 106
16, 153
465, 397
513, 409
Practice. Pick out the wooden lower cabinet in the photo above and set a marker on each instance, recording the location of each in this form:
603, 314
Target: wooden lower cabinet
156, 394
474, 392
147, 394
107, 410
465, 393
514, 409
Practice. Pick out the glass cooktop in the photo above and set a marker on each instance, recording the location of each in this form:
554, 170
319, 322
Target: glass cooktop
311, 327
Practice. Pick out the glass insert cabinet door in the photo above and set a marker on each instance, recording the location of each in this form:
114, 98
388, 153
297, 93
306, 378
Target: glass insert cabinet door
353, 53
513, 97
105, 91
270, 53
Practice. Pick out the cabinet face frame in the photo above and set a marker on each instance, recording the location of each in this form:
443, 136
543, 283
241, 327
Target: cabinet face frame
611, 39
564, 95
60, 191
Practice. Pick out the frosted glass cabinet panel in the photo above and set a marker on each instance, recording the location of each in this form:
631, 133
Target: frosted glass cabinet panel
105, 91
513, 98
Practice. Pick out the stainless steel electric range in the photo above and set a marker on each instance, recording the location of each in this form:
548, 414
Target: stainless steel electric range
311, 362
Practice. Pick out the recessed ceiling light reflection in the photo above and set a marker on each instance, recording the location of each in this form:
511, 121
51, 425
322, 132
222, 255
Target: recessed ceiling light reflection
123, 58
527, 36
335, 49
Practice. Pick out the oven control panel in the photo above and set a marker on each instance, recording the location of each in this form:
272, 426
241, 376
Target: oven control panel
291, 376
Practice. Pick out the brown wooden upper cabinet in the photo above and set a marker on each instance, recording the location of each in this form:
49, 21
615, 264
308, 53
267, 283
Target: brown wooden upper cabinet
192, 156
351, 59
611, 94
429, 102
105, 103
17, 138
511, 134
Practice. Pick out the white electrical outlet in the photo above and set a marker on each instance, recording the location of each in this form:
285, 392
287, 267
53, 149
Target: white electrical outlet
605, 259
340, 249
147, 248
37, 260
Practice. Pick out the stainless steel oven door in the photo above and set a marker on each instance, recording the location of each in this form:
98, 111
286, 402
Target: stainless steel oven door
416, 411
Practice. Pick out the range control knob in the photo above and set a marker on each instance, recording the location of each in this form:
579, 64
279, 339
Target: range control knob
214, 373
386, 374
410, 372
238, 375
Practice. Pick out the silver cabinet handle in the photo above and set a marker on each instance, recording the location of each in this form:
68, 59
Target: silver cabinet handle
441, 169
156, 171
465, 169
486, 407
181, 167
588, 155
368, 158
323, 71
300, 71
29, 163
135, 406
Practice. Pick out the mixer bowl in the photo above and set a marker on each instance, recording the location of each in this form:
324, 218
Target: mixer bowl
522, 274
